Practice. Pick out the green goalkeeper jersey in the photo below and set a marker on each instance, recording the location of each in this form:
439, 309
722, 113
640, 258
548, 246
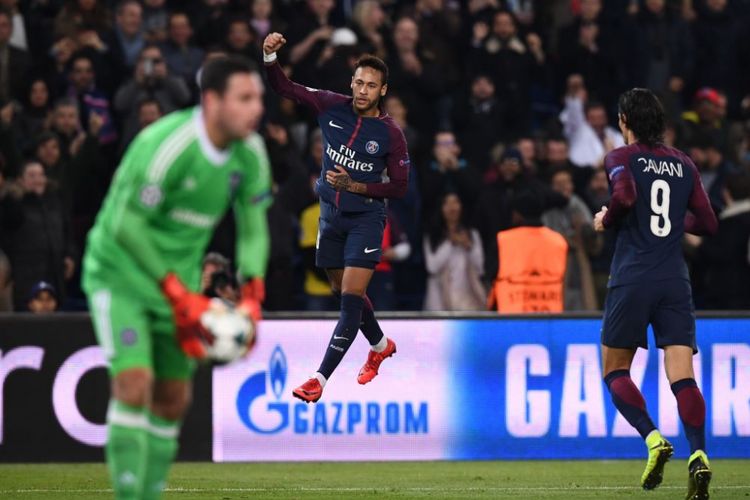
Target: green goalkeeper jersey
170, 191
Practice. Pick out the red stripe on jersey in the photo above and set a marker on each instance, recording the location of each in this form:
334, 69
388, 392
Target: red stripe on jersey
338, 197
354, 134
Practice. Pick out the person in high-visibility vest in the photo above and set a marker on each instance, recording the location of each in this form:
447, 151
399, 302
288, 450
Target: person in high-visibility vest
532, 262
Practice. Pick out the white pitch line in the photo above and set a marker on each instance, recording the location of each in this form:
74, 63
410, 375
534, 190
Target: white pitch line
375, 489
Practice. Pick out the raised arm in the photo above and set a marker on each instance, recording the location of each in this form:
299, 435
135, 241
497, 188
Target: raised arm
316, 99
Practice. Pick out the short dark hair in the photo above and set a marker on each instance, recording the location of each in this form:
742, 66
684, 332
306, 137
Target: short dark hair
216, 73
66, 102
147, 101
120, 7
644, 114
80, 56
374, 62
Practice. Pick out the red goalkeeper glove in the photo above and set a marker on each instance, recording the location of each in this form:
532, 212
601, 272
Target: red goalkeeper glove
188, 307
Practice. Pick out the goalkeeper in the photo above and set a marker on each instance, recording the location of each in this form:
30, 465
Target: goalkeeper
142, 263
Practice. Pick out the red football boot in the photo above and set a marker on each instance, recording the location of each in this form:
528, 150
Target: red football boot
370, 370
309, 392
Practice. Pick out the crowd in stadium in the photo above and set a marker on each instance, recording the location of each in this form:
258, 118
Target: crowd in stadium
495, 98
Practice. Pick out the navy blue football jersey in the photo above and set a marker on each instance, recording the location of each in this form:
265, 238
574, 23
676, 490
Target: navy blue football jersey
367, 147
657, 196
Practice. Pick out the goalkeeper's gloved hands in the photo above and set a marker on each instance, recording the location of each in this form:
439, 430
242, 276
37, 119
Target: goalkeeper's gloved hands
188, 307
253, 292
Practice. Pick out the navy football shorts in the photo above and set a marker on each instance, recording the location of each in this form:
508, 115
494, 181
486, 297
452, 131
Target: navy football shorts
348, 239
666, 305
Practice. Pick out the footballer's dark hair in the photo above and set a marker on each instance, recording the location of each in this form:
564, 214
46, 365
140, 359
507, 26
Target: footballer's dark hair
374, 62
216, 73
643, 113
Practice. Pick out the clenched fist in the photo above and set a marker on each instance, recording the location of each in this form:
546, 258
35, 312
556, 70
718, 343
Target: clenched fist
273, 42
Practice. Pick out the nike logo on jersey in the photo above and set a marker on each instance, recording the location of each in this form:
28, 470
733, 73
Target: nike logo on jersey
339, 338
330, 122
370, 250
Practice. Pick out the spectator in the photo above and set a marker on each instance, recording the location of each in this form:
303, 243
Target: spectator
482, 124
415, 74
155, 21
448, 171
454, 261
127, 41
72, 158
213, 263
217, 279
664, 49
90, 99
596, 196
726, 255
440, 33
151, 79
529, 162
76, 14
66, 123
36, 115
715, 34
308, 34
532, 262
586, 127
337, 61
318, 295
36, 235
587, 47
512, 64
369, 23
182, 57
574, 222
262, 18
14, 62
395, 248
209, 21
18, 39
42, 299
713, 167
241, 40
494, 209
704, 120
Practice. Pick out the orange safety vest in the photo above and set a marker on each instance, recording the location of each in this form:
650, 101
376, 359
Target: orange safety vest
531, 272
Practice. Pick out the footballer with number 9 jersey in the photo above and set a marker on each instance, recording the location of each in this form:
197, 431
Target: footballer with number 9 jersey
657, 197
361, 143
142, 263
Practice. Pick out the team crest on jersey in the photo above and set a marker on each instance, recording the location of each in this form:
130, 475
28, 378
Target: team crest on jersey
128, 337
151, 195
372, 147
234, 182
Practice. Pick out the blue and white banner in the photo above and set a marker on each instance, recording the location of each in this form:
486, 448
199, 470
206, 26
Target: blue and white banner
469, 389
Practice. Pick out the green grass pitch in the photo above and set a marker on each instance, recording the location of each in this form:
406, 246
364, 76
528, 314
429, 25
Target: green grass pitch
377, 480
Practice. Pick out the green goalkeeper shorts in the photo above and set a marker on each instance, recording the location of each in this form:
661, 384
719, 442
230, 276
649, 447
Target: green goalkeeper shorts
134, 334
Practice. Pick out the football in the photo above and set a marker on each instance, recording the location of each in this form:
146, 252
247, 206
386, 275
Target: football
230, 332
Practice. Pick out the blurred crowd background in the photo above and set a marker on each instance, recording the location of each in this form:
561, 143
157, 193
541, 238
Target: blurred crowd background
495, 97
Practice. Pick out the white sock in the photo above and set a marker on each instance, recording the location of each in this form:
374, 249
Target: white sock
320, 378
380, 346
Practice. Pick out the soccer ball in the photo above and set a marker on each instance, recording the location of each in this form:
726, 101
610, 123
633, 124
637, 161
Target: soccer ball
230, 332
